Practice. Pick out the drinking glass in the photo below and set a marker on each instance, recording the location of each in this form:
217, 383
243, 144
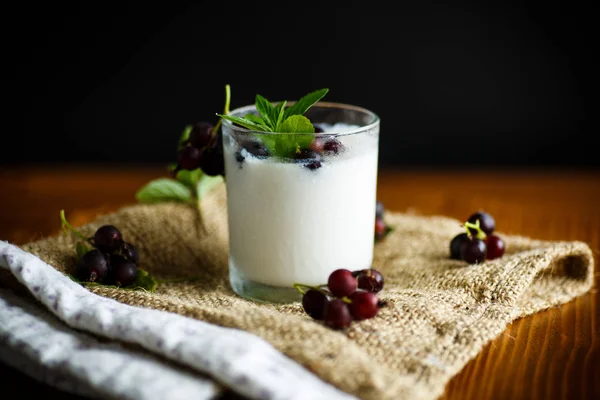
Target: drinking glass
295, 218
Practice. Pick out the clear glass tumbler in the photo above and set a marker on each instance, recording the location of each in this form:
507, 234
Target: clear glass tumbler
296, 218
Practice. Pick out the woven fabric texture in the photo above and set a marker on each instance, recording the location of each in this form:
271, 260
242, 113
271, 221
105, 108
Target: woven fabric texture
439, 312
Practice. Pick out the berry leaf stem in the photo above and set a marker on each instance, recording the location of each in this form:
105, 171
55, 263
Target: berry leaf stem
225, 112
301, 288
67, 227
480, 233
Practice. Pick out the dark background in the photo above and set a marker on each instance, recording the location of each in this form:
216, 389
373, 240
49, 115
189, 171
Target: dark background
455, 84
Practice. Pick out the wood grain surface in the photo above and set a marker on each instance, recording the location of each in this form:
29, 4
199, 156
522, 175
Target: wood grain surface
554, 354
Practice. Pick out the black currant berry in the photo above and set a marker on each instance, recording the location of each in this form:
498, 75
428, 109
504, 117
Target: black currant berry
239, 157
364, 305
474, 251
380, 229
123, 271
317, 145
337, 314
212, 162
92, 267
108, 239
314, 302
486, 222
311, 159
456, 245
332, 146
188, 158
342, 283
313, 165
495, 247
255, 148
201, 134
370, 280
307, 154
130, 252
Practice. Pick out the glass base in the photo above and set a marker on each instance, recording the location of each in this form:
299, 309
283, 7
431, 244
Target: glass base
259, 291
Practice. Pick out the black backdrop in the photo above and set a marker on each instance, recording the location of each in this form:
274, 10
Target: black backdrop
455, 84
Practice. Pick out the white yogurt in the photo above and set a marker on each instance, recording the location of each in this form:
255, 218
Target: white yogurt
289, 224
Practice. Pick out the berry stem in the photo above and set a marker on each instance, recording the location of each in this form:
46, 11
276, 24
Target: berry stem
66, 227
225, 112
480, 233
300, 287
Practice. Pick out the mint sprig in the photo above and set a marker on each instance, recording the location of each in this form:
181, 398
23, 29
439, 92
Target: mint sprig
186, 187
163, 189
306, 102
281, 120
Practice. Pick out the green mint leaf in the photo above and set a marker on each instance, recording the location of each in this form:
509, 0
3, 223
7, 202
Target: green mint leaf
306, 102
255, 118
81, 248
280, 111
297, 124
190, 178
282, 145
253, 126
267, 111
206, 184
185, 135
163, 189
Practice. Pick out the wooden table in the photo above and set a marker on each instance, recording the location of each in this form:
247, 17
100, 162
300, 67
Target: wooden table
550, 355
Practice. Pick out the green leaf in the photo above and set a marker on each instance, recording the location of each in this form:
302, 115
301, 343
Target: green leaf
171, 167
190, 178
255, 118
163, 189
283, 145
253, 126
185, 135
306, 102
81, 248
297, 124
280, 110
143, 281
206, 184
267, 110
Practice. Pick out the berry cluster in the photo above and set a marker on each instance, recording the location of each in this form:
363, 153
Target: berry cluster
381, 228
348, 296
478, 243
112, 261
202, 149
310, 156
320, 146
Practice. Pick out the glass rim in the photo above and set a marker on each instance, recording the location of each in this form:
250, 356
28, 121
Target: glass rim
321, 104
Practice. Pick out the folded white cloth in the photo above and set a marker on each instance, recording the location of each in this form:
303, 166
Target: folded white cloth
37, 343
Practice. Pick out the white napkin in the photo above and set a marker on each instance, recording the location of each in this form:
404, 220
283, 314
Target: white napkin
37, 343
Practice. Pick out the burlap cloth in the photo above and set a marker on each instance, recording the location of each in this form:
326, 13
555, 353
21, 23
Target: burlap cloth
439, 314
